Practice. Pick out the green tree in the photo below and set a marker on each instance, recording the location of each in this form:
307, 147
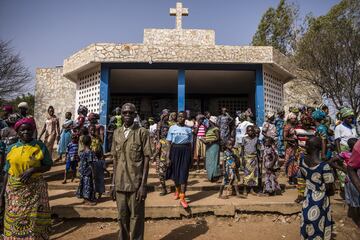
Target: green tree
328, 54
29, 98
278, 28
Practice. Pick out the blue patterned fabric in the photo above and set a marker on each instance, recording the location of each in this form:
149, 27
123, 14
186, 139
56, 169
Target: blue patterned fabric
279, 123
316, 220
86, 189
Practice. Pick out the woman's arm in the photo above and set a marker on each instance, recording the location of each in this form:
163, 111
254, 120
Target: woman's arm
354, 177
42, 131
24, 178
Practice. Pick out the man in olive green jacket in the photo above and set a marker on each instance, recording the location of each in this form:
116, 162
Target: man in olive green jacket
131, 151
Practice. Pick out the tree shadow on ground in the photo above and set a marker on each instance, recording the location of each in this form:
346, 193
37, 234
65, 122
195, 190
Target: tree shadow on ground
109, 236
200, 195
189, 231
61, 228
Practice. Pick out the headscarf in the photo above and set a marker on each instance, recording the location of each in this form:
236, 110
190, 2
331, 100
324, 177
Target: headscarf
318, 115
213, 119
93, 116
28, 121
83, 110
346, 112
294, 109
164, 112
8, 108
269, 115
23, 105
291, 115
199, 116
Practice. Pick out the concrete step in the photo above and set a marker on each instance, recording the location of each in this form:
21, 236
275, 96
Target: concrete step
65, 205
194, 184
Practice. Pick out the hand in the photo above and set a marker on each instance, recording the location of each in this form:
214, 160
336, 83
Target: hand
141, 193
24, 178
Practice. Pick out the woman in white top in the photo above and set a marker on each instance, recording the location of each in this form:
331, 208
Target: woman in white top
345, 130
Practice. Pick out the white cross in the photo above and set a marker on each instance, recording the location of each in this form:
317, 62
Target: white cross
179, 11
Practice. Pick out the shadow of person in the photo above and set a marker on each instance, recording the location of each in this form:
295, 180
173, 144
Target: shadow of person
189, 231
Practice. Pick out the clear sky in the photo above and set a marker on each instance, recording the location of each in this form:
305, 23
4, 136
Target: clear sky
45, 32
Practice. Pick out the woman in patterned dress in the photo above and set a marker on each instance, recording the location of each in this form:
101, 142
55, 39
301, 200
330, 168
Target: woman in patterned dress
316, 215
27, 210
250, 160
291, 165
51, 129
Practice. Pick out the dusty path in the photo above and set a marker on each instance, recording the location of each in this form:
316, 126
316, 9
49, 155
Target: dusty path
244, 227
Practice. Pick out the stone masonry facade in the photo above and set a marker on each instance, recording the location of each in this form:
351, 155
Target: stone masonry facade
55, 90
57, 86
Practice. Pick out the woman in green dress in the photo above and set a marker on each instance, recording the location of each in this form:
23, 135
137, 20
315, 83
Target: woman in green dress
211, 140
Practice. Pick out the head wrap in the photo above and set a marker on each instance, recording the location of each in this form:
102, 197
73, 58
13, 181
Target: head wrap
199, 116
280, 111
294, 109
23, 105
165, 111
93, 116
83, 110
213, 119
28, 121
242, 117
318, 115
248, 113
8, 109
291, 115
270, 115
346, 112
306, 119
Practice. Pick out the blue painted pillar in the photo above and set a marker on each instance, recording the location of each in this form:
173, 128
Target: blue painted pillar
181, 90
259, 96
104, 98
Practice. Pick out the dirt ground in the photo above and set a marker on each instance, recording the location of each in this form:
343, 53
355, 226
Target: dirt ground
249, 227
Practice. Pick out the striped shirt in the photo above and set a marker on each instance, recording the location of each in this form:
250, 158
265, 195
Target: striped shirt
72, 151
201, 131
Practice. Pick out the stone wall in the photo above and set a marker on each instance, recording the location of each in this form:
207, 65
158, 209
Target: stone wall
179, 37
111, 52
301, 93
53, 89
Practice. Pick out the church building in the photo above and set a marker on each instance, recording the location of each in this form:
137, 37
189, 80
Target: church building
177, 69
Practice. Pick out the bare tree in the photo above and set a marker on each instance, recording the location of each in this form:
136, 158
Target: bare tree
14, 76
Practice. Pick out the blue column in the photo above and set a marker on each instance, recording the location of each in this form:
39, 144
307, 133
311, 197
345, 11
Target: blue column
181, 90
104, 97
259, 96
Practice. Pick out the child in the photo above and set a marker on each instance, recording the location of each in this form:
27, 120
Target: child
270, 156
316, 222
230, 169
81, 133
200, 147
65, 135
162, 149
99, 163
72, 158
250, 157
86, 189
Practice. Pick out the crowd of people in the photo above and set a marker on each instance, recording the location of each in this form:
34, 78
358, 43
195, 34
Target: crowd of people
312, 150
